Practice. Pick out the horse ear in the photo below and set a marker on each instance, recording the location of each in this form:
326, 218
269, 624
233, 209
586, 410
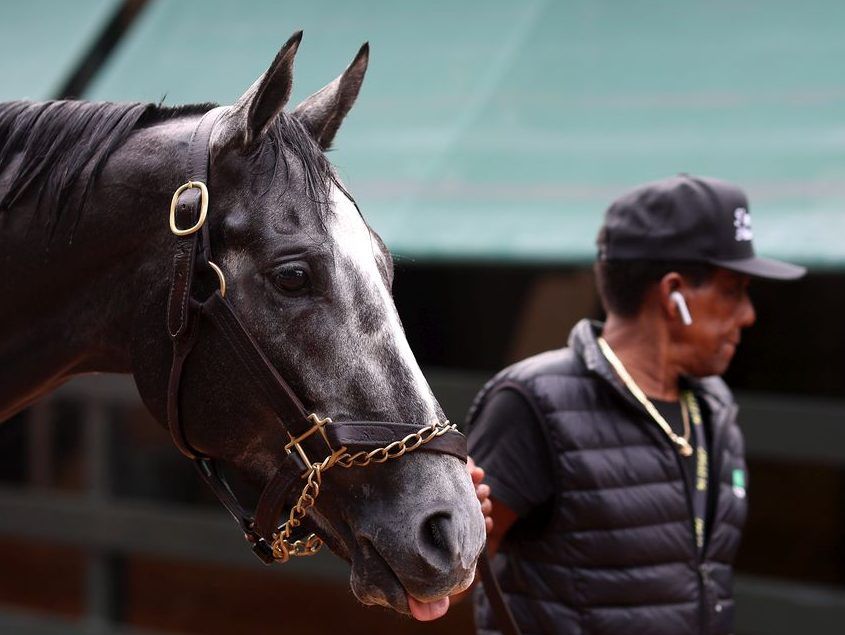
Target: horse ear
323, 112
249, 118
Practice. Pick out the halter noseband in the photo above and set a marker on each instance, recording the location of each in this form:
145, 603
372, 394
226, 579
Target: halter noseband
316, 444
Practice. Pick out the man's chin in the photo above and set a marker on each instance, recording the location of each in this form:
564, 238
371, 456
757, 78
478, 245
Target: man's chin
717, 365
721, 367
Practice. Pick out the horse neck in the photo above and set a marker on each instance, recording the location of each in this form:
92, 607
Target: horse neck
69, 305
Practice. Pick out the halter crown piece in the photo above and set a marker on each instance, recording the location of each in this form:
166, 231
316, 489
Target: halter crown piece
315, 444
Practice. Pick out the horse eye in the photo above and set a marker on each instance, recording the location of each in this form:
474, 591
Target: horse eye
291, 279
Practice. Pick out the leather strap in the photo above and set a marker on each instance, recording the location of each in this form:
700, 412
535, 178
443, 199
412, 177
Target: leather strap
369, 435
274, 499
183, 344
501, 610
181, 314
261, 372
183, 317
187, 214
182, 276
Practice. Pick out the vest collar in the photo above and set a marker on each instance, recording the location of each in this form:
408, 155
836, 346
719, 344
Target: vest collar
583, 340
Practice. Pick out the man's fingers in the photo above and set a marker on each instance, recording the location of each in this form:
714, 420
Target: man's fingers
486, 506
475, 472
482, 492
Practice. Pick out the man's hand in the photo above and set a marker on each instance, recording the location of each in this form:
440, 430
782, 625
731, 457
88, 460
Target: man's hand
482, 491
505, 517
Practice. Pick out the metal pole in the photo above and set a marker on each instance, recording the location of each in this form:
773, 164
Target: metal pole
39, 441
104, 576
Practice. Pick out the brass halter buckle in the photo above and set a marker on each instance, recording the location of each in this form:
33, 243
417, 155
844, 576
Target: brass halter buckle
203, 208
221, 279
318, 427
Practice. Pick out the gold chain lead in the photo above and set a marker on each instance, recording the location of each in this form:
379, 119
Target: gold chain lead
283, 548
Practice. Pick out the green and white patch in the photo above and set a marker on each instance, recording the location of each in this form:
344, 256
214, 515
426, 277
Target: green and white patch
739, 483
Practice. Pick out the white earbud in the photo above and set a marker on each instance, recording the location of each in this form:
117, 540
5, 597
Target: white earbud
679, 301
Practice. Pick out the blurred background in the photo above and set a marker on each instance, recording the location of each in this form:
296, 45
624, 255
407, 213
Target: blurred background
487, 141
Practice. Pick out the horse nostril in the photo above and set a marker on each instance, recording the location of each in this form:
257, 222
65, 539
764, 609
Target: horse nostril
437, 531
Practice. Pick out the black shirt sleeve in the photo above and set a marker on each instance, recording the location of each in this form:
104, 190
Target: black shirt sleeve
507, 441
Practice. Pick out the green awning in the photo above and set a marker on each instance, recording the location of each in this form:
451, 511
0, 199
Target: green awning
500, 130
42, 42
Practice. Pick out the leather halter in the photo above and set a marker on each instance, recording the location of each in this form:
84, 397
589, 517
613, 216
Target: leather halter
312, 439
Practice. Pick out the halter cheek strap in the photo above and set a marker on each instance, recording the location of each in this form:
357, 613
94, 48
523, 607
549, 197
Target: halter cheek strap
316, 444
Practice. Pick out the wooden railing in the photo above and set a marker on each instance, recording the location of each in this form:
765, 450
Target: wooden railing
107, 527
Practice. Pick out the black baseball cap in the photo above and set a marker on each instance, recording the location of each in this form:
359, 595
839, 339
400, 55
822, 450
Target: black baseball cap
691, 219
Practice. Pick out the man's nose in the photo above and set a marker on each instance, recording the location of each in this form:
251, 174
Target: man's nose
749, 315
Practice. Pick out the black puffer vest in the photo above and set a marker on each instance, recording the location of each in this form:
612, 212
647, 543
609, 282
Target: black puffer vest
618, 555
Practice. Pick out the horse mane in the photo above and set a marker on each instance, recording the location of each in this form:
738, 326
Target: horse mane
63, 146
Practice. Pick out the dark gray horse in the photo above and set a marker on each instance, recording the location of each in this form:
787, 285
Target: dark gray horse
86, 254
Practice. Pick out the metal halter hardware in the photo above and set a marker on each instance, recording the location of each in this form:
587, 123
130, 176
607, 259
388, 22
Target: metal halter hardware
203, 208
347, 443
317, 428
282, 547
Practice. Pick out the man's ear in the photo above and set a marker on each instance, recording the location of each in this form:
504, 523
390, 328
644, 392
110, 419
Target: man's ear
250, 117
324, 111
670, 289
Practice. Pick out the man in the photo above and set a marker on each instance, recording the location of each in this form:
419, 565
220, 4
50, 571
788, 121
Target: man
616, 465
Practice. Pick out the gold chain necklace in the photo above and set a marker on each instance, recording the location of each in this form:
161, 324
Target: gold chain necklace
682, 442
685, 419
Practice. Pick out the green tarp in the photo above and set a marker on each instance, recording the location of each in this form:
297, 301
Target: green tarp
500, 130
43, 41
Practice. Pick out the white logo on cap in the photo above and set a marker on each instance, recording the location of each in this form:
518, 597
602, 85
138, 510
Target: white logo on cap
742, 222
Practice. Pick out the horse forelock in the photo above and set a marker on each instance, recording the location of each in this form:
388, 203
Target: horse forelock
287, 139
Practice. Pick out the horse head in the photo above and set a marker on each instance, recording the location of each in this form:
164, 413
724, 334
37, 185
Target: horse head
312, 283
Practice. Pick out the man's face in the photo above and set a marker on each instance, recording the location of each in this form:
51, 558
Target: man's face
720, 309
